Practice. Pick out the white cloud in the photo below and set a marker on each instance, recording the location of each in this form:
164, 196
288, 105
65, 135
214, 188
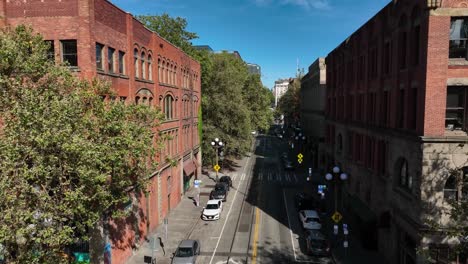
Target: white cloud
307, 4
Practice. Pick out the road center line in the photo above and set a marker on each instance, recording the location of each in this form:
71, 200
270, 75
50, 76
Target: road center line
254, 243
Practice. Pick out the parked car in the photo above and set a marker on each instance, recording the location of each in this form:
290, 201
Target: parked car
187, 252
316, 243
304, 201
220, 192
227, 180
310, 219
289, 165
213, 209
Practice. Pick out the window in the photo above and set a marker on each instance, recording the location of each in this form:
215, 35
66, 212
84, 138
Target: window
401, 109
110, 59
340, 144
150, 68
384, 110
414, 108
50, 50
382, 157
121, 62
159, 70
455, 108
143, 66
99, 56
373, 64
456, 186
416, 44
386, 58
406, 179
137, 67
450, 189
69, 52
402, 50
458, 37
168, 107
123, 99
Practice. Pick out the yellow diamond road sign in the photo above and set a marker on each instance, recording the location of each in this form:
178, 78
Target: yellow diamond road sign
337, 217
299, 160
300, 156
216, 167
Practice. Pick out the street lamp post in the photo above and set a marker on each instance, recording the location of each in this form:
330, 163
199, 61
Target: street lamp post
217, 144
336, 176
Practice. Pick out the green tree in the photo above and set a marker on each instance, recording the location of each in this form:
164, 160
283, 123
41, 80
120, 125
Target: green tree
258, 102
67, 157
172, 29
225, 114
289, 104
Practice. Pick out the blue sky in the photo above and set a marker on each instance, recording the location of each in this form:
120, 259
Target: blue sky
271, 33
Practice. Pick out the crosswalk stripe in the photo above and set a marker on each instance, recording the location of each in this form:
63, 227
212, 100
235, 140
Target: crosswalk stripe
287, 178
295, 178
260, 176
278, 176
233, 176
269, 176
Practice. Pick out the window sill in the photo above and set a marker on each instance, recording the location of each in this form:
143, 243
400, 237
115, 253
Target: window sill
74, 68
170, 121
144, 81
457, 62
168, 85
112, 74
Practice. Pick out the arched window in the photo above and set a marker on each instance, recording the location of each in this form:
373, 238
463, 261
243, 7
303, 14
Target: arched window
143, 65
150, 67
135, 58
406, 178
144, 96
175, 75
402, 42
159, 70
166, 72
137, 100
168, 107
456, 186
416, 36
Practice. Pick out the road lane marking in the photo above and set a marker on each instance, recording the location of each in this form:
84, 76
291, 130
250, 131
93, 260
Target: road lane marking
229, 212
289, 224
234, 176
287, 178
255, 241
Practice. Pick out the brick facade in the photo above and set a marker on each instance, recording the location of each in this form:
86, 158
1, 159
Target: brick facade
143, 68
386, 114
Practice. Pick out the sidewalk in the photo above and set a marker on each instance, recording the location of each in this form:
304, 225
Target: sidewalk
181, 221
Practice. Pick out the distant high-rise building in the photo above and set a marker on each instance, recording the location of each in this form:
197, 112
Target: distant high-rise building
280, 88
203, 47
254, 68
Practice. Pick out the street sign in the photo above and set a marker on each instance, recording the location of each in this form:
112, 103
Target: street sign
345, 244
299, 160
196, 183
321, 188
300, 156
216, 167
310, 171
337, 217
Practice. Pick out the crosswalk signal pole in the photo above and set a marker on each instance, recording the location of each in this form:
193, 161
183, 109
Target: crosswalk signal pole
217, 144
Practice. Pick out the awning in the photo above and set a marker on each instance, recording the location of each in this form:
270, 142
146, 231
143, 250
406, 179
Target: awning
189, 167
361, 209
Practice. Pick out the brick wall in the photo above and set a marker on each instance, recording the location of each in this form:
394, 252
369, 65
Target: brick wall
99, 21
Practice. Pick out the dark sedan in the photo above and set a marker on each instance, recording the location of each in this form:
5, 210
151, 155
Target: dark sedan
226, 179
317, 244
220, 192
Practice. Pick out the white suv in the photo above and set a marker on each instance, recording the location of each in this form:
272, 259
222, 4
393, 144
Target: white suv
310, 219
212, 210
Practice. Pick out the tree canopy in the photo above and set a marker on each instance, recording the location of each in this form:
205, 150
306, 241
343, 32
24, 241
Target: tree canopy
233, 102
67, 157
289, 104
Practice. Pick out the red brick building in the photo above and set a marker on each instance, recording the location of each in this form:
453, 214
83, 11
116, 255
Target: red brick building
100, 40
397, 115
